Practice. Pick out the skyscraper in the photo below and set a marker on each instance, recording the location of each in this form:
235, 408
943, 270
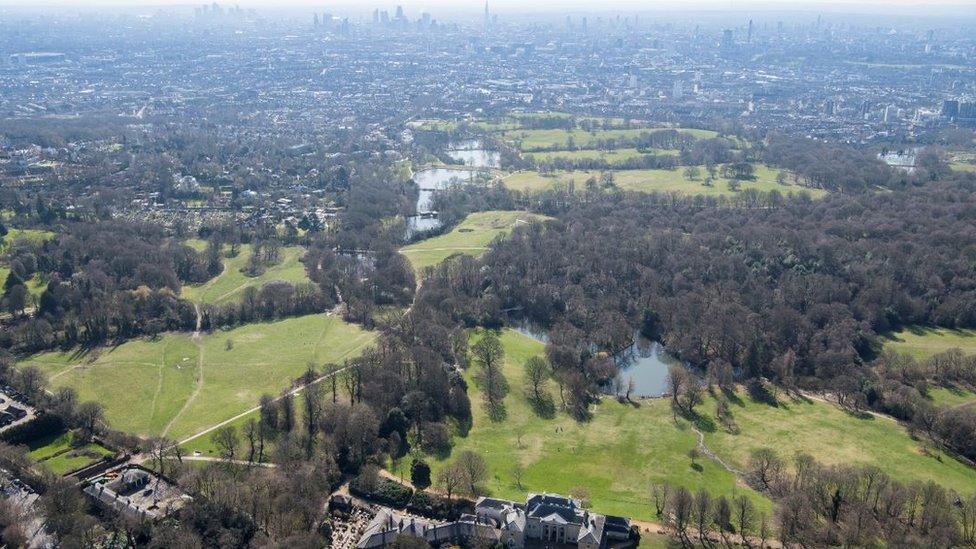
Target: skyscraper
727, 40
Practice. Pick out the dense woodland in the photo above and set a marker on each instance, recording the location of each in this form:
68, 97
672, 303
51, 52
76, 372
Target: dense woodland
759, 287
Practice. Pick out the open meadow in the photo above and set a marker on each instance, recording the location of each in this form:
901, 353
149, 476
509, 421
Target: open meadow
833, 436
616, 156
471, 236
664, 181
625, 448
535, 140
228, 285
616, 456
176, 386
922, 342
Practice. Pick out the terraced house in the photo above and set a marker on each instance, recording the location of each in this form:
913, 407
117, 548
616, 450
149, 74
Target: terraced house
544, 520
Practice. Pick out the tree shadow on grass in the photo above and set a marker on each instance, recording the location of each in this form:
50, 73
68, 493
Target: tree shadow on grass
544, 406
733, 397
497, 412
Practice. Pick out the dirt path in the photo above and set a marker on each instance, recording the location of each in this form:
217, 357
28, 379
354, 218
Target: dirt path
292, 392
198, 341
212, 459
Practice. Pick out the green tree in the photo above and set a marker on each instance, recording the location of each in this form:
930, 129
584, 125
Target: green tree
420, 474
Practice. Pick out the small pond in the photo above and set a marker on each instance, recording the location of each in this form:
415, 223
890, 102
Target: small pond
473, 153
645, 362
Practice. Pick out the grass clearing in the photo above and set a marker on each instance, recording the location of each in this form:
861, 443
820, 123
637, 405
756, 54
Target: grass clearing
34, 236
536, 140
922, 342
665, 181
616, 456
472, 236
35, 284
616, 156
834, 436
624, 449
147, 386
951, 396
227, 285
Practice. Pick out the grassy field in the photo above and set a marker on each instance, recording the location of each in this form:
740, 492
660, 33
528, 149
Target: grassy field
616, 456
656, 180
951, 396
228, 284
177, 386
616, 156
923, 342
534, 140
623, 449
35, 284
472, 236
37, 236
833, 436
55, 453
963, 166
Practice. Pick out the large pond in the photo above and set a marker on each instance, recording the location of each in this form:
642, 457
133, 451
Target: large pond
645, 362
429, 181
473, 153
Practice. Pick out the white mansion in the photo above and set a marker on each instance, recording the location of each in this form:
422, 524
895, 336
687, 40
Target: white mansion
545, 520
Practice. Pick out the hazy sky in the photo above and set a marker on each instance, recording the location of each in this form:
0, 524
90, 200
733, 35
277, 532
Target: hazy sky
500, 6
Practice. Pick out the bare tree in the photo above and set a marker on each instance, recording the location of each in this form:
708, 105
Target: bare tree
450, 478
225, 438
474, 467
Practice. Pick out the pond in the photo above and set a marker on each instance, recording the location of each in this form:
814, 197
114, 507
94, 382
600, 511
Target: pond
473, 153
645, 362
429, 181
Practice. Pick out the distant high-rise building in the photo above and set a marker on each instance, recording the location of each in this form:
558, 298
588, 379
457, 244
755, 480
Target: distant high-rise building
749, 36
399, 14
376, 16
890, 114
950, 108
676, 91
967, 110
727, 40
829, 107
315, 19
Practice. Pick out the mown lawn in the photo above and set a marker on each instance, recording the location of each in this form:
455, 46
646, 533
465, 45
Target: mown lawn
923, 342
176, 386
228, 285
534, 140
624, 448
77, 458
833, 436
656, 181
616, 455
471, 236
616, 156
55, 453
